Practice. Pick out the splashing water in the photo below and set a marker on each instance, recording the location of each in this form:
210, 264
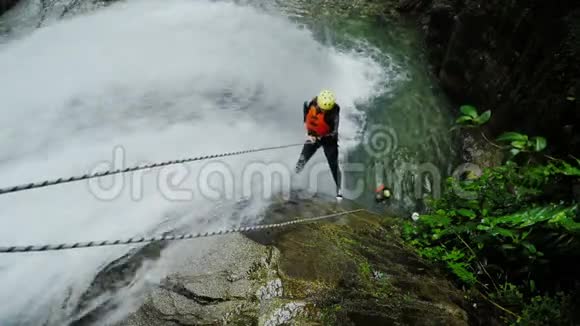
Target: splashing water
148, 81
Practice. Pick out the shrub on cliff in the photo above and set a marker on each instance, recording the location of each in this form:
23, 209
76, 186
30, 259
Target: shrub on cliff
513, 232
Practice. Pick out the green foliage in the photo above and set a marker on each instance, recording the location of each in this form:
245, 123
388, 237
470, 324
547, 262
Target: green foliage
508, 294
516, 143
540, 310
556, 216
522, 143
470, 118
506, 226
461, 270
329, 315
365, 270
547, 310
503, 227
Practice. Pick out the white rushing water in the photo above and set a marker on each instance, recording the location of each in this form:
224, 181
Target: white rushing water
162, 80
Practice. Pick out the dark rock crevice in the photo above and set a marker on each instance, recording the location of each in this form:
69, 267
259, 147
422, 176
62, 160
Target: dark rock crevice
180, 289
6, 5
520, 59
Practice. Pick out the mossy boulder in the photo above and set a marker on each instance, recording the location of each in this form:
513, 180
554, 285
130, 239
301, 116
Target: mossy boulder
352, 270
357, 272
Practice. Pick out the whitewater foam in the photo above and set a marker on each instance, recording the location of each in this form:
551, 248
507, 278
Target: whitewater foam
162, 80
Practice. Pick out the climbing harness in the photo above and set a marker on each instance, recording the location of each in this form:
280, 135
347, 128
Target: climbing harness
64, 246
46, 183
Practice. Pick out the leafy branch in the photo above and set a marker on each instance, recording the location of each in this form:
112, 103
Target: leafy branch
515, 143
520, 143
470, 118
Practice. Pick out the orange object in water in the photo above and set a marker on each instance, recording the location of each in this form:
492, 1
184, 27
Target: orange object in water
380, 188
315, 122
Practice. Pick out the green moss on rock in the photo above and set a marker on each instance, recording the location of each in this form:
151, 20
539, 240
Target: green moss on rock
357, 272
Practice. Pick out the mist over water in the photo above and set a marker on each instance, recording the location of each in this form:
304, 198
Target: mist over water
162, 80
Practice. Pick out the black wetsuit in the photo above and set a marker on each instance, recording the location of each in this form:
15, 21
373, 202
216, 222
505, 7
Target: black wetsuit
329, 142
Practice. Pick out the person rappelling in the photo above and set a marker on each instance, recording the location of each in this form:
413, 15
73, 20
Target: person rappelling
321, 118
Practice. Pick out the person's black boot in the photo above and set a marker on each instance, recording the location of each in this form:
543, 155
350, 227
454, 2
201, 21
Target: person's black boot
300, 165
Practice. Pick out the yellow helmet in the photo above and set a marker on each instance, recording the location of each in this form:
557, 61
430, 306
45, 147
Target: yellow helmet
325, 100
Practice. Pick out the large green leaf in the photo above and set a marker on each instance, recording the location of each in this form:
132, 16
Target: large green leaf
469, 111
501, 231
540, 143
460, 270
454, 255
514, 152
466, 212
483, 227
557, 215
512, 136
568, 169
519, 144
463, 119
483, 118
508, 246
531, 248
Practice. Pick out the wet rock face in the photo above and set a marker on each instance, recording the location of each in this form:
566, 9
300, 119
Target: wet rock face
217, 292
6, 5
349, 271
521, 59
356, 271
358, 274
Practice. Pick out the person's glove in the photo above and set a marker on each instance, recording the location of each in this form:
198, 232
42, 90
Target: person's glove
312, 139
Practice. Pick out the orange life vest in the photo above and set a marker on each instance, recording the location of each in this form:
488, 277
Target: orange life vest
315, 122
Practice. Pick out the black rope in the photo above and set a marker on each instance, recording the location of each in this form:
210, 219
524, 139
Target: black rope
78, 245
46, 183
